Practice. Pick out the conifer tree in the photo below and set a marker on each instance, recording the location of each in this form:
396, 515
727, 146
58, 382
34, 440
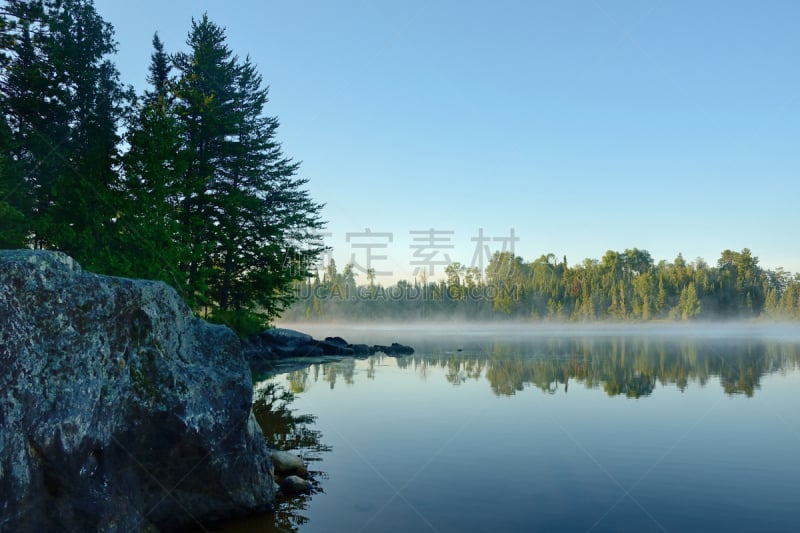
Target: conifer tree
689, 303
245, 216
63, 101
154, 165
12, 222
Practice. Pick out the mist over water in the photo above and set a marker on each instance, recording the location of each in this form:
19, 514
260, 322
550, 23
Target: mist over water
402, 331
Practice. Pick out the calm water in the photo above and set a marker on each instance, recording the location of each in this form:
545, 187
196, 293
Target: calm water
605, 429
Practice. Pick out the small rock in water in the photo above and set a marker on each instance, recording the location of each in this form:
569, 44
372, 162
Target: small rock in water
394, 350
295, 485
286, 462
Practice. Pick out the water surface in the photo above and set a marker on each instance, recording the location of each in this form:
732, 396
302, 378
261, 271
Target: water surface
599, 429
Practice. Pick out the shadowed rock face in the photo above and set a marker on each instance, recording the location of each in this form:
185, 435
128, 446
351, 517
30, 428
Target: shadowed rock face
119, 410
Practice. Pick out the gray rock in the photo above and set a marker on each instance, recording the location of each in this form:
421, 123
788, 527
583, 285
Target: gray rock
279, 343
295, 485
286, 462
119, 409
285, 336
281, 350
337, 340
263, 350
334, 348
394, 350
361, 349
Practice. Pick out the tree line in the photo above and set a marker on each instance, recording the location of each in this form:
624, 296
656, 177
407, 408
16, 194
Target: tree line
184, 183
622, 286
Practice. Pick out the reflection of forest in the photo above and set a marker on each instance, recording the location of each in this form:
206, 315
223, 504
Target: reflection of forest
627, 366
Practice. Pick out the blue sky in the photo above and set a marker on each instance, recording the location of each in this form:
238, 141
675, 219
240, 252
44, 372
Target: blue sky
583, 126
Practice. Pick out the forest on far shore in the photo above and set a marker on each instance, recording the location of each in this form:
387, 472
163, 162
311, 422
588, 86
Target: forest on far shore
621, 286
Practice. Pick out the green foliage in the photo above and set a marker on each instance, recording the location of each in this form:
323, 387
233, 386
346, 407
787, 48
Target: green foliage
11, 226
689, 304
12, 221
149, 230
247, 219
621, 286
243, 321
63, 103
203, 198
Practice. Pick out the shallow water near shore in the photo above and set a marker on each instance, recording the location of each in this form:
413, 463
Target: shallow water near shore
555, 429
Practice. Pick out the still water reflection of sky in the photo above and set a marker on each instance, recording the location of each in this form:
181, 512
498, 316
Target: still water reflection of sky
557, 433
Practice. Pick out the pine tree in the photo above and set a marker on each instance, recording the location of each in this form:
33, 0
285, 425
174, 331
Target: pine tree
63, 102
661, 297
246, 217
37, 122
153, 166
689, 303
12, 221
205, 94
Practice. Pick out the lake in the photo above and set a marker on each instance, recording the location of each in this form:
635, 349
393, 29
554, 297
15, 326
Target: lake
537, 428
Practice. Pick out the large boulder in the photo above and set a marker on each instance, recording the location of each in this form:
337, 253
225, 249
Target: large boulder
119, 409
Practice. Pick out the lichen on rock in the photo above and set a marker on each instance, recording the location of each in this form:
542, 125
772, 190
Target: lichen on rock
119, 409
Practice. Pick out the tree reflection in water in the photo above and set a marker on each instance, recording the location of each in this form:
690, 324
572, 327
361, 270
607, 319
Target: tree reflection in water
284, 430
628, 366
633, 367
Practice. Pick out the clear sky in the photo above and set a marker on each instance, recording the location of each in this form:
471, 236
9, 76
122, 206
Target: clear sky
671, 126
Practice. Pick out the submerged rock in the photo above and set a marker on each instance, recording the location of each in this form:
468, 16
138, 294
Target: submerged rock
119, 409
295, 485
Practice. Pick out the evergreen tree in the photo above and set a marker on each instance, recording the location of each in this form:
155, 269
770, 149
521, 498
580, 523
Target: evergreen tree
12, 222
246, 216
689, 302
661, 297
790, 299
151, 246
36, 121
63, 101
205, 95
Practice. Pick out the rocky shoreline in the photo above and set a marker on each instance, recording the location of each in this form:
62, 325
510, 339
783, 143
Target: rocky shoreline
121, 410
282, 350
